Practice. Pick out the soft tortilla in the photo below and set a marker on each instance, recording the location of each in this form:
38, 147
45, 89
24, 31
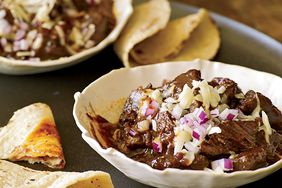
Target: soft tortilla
167, 43
13, 175
146, 20
31, 135
203, 43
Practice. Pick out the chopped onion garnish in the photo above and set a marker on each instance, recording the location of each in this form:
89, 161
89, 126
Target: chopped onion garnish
143, 125
157, 145
192, 147
214, 113
186, 97
200, 115
239, 96
90, 32
5, 27
257, 110
157, 96
229, 114
132, 132
2, 13
171, 100
221, 89
154, 125
190, 156
181, 137
267, 128
177, 111
25, 53
61, 34
37, 42
222, 164
214, 130
20, 34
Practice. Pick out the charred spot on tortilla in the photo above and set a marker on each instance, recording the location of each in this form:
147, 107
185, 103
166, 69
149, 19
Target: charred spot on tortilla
31, 135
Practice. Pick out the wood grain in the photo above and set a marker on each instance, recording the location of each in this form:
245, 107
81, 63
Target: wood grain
263, 15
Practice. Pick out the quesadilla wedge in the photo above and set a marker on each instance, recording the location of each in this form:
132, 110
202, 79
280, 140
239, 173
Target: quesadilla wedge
31, 135
13, 175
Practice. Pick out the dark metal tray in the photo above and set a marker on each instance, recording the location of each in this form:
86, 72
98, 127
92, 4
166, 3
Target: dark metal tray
240, 45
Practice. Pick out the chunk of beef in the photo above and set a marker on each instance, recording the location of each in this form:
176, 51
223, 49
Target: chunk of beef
274, 148
274, 115
131, 107
165, 126
250, 160
185, 78
200, 162
235, 136
249, 103
231, 89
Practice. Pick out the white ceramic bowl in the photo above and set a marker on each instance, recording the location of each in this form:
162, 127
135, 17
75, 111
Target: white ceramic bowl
122, 10
106, 96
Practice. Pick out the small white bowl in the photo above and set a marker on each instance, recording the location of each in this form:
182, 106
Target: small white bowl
122, 10
106, 96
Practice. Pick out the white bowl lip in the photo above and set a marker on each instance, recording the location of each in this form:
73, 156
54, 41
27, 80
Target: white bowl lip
114, 152
122, 19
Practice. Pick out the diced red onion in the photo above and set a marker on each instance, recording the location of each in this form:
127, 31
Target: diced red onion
215, 112
177, 111
191, 147
3, 42
222, 164
143, 125
186, 120
132, 132
200, 115
154, 104
201, 128
214, 130
229, 114
23, 26
196, 135
2, 13
5, 27
196, 123
24, 44
149, 111
157, 146
20, 34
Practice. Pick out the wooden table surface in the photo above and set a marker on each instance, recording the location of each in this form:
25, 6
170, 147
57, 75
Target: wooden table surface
263, 15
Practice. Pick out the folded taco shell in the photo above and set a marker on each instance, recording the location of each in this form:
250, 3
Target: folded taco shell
147, 19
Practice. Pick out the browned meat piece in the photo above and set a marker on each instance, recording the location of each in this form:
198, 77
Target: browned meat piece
231, 89
167, 161
274, 115
249, 103
131, 107
200, 162
165, 127
236, 136
250, 160
274, 149
185, 78
134, 142
216, 146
